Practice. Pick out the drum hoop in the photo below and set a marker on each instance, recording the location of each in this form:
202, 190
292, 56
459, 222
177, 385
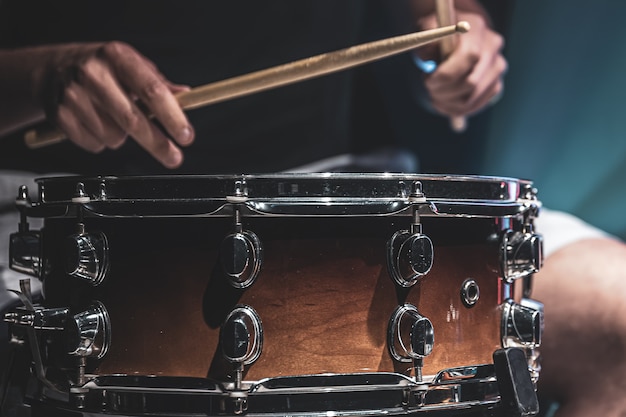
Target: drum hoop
352, 393
289, 194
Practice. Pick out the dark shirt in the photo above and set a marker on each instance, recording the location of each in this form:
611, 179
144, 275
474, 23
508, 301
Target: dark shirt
197, 42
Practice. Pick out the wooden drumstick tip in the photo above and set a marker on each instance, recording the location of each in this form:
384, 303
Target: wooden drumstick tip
463, 27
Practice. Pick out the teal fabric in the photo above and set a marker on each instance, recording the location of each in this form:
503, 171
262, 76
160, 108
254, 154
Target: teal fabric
562, 119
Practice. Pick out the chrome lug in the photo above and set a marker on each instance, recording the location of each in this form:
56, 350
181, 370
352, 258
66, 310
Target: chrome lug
88, 256
241, 336
89, 332
522, 324
410, 336
409, 257
241, 256
521, 254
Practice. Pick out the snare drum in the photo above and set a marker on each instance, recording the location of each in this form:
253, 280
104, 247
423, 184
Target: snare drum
282, 294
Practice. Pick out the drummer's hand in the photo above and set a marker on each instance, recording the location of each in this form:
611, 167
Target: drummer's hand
471, 77
94, 96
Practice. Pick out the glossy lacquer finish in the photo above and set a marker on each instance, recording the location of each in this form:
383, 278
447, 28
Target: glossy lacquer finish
323, 294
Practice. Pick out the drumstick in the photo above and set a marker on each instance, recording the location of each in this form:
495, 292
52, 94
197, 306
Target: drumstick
446, 17
282, 75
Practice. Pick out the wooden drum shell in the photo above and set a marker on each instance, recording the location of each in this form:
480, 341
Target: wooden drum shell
324, 294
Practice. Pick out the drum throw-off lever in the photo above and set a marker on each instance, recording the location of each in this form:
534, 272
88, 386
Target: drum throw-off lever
32, 318
88, 333
517, 392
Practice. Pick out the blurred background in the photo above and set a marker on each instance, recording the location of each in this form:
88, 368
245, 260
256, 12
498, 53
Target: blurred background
562, 119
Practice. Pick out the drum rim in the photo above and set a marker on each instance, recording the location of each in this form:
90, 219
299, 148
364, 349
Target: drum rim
286, 194
431, 394
278, 175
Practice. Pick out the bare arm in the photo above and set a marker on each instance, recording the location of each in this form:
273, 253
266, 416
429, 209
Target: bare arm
19, 74
91, 90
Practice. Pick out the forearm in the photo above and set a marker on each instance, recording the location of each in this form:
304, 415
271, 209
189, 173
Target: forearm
24, 73
20, 73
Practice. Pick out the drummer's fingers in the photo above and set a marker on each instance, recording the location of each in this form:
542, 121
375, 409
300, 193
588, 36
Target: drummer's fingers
161, 148
177, 88
453, 70
469, 94
76, 131
140, 77
491, 65
477, 47
136, 124
462, 83
487, 84
96, 77
489, 96
461, 106
92, 117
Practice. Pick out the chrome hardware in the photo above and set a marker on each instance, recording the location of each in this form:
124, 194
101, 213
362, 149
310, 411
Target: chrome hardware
241, 256
521, 254
80, 197
347, 395
102, 191
87, 256
416, 195
25, 253
532, 353
47, 321
89, 332
410, 337
23, 199
463, 373
409, 254
240, 194
534, 364
241, 336
39, 319
522, 324
470, 292
86, 334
